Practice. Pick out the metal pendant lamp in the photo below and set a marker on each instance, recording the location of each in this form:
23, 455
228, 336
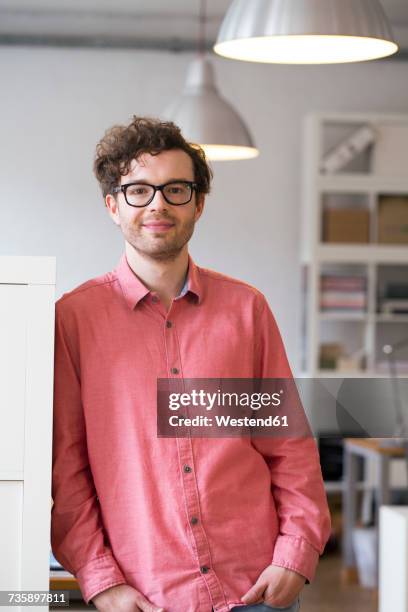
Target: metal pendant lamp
206, 118
305, 31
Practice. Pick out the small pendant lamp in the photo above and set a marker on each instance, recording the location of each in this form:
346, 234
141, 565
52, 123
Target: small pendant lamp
305, 31
205, 117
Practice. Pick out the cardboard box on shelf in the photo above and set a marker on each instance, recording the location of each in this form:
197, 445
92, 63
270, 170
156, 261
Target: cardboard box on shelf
393, 220
346, 225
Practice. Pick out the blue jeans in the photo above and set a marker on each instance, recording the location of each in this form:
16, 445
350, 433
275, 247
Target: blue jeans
261, 607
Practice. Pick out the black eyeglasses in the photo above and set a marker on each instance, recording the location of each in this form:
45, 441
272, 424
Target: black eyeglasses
139, 194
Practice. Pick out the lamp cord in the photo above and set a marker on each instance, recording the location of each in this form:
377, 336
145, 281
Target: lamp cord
202, 33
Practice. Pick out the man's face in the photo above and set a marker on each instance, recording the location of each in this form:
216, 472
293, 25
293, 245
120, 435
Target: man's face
158, 231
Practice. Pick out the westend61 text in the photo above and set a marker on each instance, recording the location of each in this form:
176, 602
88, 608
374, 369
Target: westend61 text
227, 421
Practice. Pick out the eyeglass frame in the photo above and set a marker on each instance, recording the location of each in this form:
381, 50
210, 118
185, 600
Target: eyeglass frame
123, 188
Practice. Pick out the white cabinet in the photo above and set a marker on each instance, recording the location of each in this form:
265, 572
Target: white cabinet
27, 306
393, 551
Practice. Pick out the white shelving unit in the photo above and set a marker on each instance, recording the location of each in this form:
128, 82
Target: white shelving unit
379, 172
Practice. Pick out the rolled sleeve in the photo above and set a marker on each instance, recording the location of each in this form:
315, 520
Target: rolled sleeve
296, 554
98, 575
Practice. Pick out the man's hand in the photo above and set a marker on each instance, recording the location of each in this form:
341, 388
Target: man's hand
123, 598
276, 586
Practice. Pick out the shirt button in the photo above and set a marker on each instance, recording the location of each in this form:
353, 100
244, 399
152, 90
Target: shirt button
204, 569
155, 299
169, 324
187, 469
194, 520
174, 370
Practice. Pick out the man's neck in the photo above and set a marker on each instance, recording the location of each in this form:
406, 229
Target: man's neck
165, 277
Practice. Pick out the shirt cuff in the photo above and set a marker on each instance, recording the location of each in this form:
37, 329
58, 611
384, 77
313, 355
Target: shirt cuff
98, 575
296, 554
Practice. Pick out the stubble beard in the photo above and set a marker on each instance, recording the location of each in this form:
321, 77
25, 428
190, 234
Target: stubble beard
163, 248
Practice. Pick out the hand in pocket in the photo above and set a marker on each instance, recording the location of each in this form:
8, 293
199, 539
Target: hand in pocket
278, 586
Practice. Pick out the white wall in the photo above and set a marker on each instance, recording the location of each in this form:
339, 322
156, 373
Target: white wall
56, 103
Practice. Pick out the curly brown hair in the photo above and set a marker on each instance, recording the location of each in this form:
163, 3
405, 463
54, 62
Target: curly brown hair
121, 144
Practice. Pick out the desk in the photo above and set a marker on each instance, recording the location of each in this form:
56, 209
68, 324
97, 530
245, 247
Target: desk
369, 448
62, 581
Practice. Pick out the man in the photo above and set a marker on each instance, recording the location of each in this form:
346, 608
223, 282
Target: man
175, 524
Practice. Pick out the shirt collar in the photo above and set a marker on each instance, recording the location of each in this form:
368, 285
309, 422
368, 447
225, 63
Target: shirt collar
134, 290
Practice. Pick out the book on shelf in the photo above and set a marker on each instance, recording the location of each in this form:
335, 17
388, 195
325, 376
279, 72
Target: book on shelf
343, 283
343, 293
338, 300
343, 312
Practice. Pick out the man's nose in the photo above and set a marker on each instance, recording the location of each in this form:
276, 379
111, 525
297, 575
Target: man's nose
158, 202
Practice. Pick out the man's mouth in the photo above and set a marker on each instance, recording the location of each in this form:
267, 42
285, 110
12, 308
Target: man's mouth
158, 226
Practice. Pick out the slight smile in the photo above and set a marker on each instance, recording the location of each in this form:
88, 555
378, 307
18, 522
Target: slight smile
158, 227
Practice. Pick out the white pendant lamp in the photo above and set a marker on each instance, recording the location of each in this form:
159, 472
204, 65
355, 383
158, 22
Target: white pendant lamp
305, 31
204, 116
207, 119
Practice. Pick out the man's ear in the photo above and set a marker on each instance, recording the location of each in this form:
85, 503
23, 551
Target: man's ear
200, 201
112, 205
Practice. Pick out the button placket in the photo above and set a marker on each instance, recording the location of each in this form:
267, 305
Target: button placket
172, 348
197, 532
199, 539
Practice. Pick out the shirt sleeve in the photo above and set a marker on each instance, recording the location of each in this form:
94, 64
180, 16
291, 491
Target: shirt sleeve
78, 539
296, 477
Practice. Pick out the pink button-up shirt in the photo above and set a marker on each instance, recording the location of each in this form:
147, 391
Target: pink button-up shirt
189, 522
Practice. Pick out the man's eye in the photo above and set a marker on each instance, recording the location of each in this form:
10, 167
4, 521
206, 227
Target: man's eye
137, 190
175, 189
